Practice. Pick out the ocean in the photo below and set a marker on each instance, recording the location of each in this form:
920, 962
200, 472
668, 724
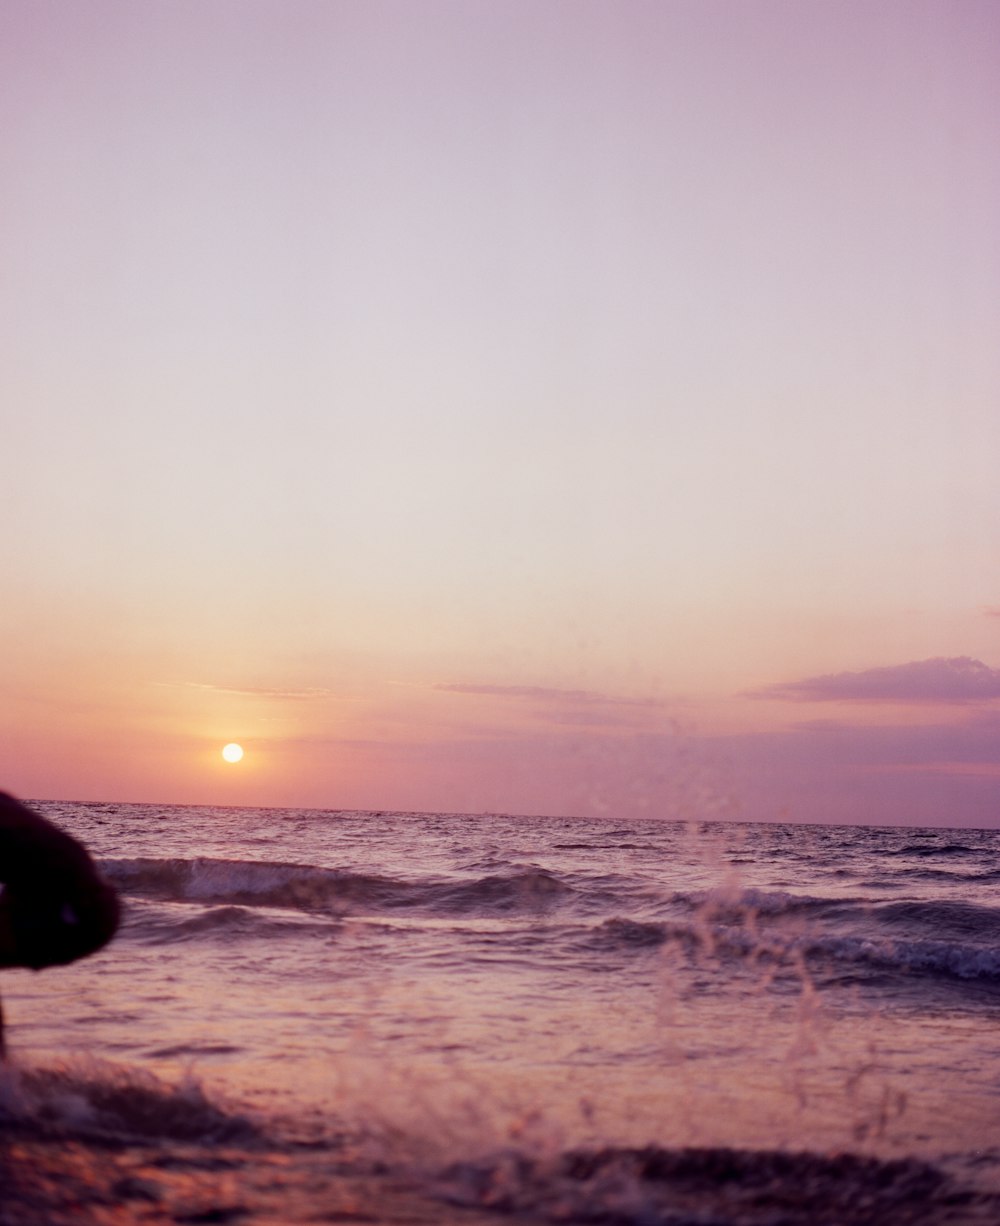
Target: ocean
434, 1018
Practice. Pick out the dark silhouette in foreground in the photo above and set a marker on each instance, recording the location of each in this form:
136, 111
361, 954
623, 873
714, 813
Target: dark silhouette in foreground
55, 906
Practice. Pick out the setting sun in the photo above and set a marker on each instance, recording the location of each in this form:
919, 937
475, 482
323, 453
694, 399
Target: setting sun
232, 752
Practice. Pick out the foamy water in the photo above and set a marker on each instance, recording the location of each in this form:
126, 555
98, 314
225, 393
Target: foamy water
452, 994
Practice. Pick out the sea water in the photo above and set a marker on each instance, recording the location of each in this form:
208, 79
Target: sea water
400, 1016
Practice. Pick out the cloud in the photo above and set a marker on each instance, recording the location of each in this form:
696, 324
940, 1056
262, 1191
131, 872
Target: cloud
540, 693
258, 691
992, 610
581, 709
957, 679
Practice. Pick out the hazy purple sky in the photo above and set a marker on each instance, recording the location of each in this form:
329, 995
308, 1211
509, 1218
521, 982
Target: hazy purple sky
503, 405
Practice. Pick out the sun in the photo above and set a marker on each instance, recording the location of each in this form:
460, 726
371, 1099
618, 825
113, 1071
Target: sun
232, 752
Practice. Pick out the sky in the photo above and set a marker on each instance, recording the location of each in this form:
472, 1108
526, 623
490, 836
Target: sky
535, 406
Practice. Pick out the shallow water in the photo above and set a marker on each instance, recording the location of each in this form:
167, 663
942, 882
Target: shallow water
450, 1010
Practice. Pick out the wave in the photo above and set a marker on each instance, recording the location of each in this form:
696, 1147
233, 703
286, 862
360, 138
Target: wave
953, 940
704, 936
605, 847
942, 917
303, 887
938, 958
96, 1100
151, 923
618, 933
933, 849
938, 917
655, 1186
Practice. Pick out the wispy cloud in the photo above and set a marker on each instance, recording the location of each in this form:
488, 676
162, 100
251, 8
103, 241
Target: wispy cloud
545, 694
958, 679
259, 691
992, 610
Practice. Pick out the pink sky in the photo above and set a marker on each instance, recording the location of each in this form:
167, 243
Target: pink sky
538, 406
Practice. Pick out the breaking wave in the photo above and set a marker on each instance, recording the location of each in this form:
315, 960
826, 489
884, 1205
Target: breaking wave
675, 1187
949, 939
958, 941
96, 1100
252, 883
